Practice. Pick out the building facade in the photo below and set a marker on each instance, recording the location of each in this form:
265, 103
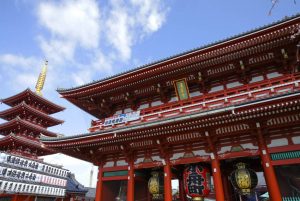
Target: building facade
233, 102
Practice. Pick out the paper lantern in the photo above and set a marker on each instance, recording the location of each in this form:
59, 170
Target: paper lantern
196, 180
156, 186
243, 179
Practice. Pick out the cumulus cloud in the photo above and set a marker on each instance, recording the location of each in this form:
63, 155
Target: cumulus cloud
77, 21
18, 61
151, 14
128, 22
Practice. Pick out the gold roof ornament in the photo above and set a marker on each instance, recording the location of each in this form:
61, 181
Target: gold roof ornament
41, 80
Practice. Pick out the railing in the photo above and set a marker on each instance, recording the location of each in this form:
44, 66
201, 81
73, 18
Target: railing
285, 155
245, 93
291, 198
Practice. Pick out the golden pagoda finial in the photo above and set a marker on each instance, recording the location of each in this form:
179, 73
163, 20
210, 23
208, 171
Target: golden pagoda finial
41, 80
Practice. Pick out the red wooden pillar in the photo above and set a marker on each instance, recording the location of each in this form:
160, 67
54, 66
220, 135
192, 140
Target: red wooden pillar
130, 183
270, 177
99, 187
167, 181
216, 172
217, 177
15, 198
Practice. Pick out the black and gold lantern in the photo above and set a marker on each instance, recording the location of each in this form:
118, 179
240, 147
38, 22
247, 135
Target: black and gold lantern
156, 186
243, 179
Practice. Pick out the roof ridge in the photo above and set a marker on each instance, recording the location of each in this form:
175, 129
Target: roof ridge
185, 52
28, 90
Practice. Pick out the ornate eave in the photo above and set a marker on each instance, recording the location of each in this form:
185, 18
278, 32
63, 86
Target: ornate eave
235, 122
15, 124
24, 108
30, 95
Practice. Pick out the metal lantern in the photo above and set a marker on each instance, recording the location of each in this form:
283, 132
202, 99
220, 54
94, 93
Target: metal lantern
156, 186
196, 180
243, 179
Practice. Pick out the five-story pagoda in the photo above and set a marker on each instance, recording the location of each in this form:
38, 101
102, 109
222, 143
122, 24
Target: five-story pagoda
21, 171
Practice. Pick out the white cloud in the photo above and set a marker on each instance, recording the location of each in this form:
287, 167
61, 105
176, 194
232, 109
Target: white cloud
151, 14
128, 22
119, 25
18, 61
72, 20
57, 51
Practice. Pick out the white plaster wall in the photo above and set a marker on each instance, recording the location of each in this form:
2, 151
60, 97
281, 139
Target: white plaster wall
121, 163
278, 142
234, 84
257, 79
139, 160
176, 156
224, 149
249, 146
156, 158
274, 74
296, 140
195, 93
200, 153
108, 164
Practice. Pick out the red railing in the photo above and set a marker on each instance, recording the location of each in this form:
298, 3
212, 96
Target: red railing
252, 91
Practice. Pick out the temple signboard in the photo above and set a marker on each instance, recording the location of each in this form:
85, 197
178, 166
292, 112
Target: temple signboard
181, 89
122, 118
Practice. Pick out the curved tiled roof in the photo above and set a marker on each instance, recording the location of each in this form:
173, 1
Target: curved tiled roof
73, 186
20, 97
62, 90
16, 121
14, 139
23, 106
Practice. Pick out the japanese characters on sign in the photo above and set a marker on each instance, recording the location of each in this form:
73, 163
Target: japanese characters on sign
181, 89
122, 118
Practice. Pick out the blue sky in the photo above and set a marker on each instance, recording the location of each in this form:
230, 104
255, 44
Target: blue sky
87, 40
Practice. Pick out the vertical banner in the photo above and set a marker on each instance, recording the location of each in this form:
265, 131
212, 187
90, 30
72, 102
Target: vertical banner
181, 88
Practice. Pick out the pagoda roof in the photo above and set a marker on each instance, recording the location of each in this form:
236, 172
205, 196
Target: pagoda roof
73, 186
175, 58
20, 97
15, 111
20, 122
12, 138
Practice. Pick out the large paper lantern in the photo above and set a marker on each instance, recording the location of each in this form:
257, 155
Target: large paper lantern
156, 186
243, 179
196, 180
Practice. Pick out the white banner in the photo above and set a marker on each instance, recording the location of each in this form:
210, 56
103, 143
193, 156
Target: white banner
122, 118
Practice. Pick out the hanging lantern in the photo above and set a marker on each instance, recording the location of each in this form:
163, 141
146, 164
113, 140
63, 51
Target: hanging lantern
243, 179
156, 186
196, 180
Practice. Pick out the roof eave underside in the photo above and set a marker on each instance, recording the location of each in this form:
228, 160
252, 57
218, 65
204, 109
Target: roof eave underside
13, 110
234, 39
14, 122
10, 138
218, 111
